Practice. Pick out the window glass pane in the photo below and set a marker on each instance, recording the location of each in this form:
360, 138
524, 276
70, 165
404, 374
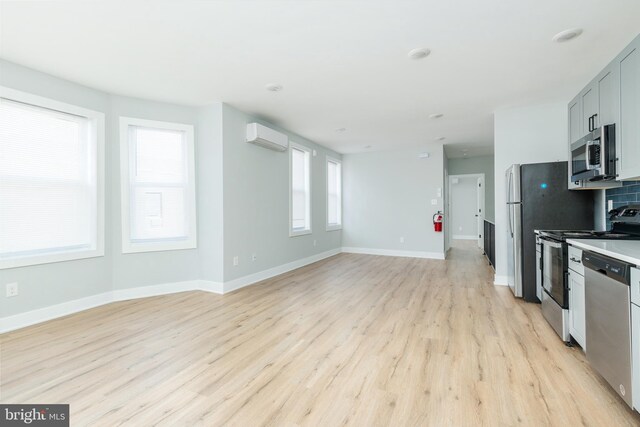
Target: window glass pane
334, 196
159, 185
47, 181
160, 155
299, 189
159, 213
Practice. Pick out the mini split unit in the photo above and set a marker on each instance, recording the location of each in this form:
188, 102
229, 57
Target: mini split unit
266, 137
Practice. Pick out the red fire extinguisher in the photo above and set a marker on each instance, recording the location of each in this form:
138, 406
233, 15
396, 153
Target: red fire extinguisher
437, 222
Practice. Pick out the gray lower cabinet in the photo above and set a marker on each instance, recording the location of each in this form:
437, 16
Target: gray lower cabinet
628, 147
576, 309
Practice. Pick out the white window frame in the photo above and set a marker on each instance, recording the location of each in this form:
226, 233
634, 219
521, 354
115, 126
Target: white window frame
298, 232
97, 135
333, 227
129, 246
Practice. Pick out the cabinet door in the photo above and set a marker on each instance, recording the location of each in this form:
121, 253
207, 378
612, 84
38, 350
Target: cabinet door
608, 96
576, 309
575, 121
629, 134
589, 106
575, 130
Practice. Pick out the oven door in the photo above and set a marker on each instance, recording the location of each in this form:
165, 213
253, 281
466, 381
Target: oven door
554, 269
585, 158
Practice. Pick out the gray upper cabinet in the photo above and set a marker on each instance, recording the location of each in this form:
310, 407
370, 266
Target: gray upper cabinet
628, 146
589, 106
613, 97
607, 84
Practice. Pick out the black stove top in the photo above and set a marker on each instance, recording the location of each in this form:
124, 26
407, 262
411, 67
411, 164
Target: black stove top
625, 225
588, 234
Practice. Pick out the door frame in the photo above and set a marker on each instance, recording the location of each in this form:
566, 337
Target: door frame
475, 176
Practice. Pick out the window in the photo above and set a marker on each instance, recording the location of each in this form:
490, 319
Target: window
334, 194
51, 182
158, 186
300, 196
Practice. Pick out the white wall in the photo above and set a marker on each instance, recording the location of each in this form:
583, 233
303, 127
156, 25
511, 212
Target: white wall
531, 134
464, 205
387, 195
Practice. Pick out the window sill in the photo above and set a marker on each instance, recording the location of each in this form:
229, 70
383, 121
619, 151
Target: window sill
50, 258
334, 227
295, 233
132, 248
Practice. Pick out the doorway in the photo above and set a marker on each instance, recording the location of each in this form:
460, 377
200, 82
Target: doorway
466, 207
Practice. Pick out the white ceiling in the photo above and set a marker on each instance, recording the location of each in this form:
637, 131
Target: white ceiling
342, 63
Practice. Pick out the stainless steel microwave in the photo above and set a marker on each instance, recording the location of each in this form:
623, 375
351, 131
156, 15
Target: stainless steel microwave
593, 158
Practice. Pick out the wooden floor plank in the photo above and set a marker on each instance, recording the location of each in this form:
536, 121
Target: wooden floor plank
351, 340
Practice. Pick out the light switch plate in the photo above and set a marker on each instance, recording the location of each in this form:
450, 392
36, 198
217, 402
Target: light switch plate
434, 202
609, 205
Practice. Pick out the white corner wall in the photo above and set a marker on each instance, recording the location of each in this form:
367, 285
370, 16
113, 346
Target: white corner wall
387, 197
531, 134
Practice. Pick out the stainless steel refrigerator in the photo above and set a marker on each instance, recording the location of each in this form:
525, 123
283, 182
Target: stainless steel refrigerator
538, 198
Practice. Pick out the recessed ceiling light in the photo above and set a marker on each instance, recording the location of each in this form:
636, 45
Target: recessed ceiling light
435, 116
566, 35
274, 87
419, 53
341, 129
440, 138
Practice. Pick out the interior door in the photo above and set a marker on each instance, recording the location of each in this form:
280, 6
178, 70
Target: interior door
480, 212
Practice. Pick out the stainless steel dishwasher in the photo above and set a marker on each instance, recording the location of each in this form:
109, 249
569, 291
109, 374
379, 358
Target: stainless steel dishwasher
608, 320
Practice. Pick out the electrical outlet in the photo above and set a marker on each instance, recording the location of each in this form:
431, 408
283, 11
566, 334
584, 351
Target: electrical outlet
12, 289
402, 240
315, 242
236, 261
254, 257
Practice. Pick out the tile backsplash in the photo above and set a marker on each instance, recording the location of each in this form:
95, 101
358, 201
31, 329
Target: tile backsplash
629, 193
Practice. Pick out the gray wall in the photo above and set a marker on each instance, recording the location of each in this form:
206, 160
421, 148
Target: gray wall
49, 284
518, 140
253, 200
481, 164
144, 268
387, 195
256, 201
464, 205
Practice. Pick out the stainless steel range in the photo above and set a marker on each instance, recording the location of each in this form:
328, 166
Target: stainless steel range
554, 262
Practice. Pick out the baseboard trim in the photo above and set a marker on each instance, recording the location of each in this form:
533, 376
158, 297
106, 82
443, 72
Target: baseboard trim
392, 252
253, 278
463, 237
33, 317
500, 280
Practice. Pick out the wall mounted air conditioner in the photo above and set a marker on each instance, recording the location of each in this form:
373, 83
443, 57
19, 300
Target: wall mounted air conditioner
268, 138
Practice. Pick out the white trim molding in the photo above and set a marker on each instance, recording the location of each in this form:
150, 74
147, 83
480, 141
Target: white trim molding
251, 279
96, 143
501, 280
463, 237
33, 317
392, 252
127, 171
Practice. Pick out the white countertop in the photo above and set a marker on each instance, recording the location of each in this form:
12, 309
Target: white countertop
624, 250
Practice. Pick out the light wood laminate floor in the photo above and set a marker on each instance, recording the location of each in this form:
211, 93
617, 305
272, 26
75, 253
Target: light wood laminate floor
352, 340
